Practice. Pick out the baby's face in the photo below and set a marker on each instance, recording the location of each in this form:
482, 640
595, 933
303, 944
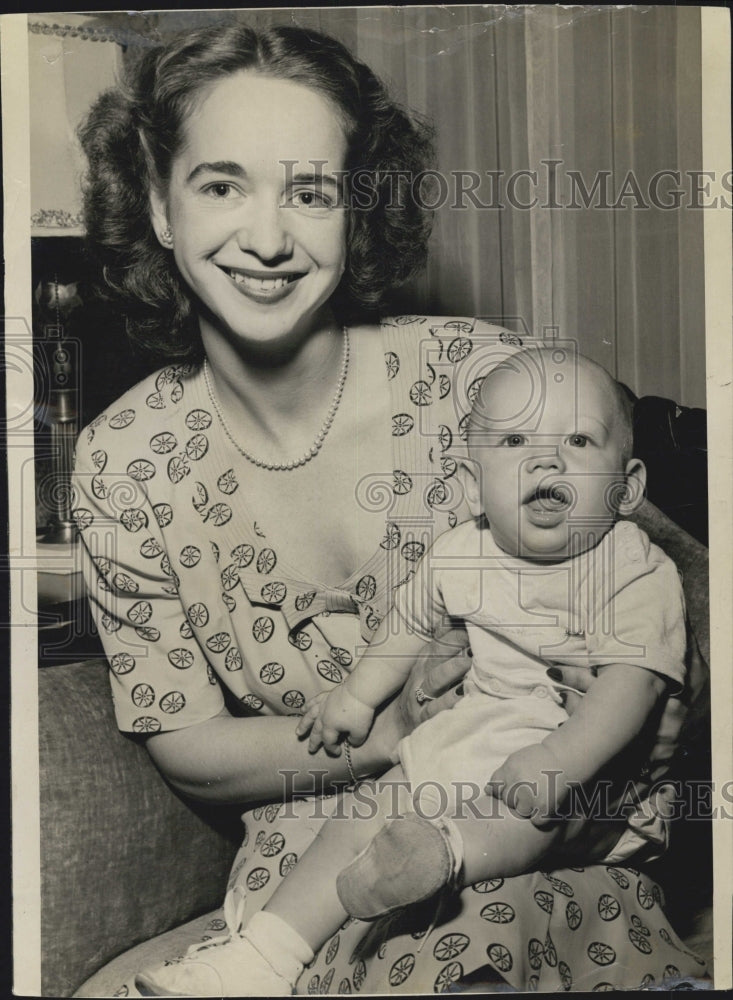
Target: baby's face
550, 456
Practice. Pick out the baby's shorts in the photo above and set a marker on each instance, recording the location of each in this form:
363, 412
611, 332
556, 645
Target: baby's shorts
449, 758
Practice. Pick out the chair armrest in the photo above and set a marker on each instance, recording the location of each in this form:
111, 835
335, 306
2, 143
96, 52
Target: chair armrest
123, 858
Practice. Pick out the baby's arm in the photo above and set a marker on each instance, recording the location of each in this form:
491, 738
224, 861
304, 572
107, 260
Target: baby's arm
610, 716
349, 708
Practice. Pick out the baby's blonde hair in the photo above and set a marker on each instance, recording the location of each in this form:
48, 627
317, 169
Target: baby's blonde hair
623, 410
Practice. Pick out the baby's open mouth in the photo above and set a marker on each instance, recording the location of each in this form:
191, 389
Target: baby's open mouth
551, 498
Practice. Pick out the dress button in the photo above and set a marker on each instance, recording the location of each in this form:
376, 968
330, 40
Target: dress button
631, 553
540, 691
494, 684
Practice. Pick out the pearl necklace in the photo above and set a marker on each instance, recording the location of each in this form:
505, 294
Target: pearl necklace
320, 437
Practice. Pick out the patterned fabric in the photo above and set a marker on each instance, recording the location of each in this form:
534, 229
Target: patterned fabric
188, 593
189, 597
590, 929
587, 929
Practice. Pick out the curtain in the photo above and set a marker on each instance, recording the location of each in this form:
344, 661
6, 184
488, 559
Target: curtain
575, 96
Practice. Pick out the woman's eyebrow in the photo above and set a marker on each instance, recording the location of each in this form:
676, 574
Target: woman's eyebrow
230, 167
311, 176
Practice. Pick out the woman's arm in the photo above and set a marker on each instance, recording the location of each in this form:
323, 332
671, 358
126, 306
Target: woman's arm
228, 759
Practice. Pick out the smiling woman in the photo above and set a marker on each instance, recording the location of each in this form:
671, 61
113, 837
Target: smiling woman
351, 112
262, 245
271, 485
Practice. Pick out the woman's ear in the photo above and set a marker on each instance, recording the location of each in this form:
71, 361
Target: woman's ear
159, 218
634, 487
469, 475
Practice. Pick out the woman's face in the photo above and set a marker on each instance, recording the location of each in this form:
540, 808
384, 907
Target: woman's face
255, 206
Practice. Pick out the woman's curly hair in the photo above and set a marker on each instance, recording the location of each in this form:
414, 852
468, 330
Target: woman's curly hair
133, 132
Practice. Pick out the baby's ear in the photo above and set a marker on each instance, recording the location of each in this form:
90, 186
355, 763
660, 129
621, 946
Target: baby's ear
469, 474
634, 487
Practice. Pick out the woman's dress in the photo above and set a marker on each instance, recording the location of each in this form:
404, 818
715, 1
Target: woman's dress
192, 600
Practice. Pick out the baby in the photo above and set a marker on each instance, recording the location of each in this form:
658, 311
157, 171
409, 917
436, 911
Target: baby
545, 573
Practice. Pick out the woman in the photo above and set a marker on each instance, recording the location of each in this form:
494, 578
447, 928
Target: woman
255, 547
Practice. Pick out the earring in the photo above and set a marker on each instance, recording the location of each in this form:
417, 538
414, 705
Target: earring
166, 237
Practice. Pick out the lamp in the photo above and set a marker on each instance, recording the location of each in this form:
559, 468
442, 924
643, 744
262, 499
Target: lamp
71, 60
58, 409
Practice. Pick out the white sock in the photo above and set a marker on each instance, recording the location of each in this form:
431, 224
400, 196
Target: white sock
453, 840
280, 945
430, 802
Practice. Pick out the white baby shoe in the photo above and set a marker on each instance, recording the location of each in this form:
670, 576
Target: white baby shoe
263, 960
229, 967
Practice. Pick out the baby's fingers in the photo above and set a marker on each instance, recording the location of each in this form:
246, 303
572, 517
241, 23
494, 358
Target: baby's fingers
306, 723
315, 740
326, 737
331, 741
357, 735
317, 737
520, 796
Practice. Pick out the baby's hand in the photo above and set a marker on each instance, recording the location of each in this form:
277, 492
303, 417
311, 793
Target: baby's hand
533, 783
311, 713
332, 715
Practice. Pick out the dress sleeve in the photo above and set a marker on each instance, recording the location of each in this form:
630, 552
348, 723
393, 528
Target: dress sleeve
419, 601
643, 620
160, 678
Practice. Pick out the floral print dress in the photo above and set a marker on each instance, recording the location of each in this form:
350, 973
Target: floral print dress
195, 606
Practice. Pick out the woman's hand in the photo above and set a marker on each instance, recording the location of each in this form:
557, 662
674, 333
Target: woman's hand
434, 684
579, 678
435, 681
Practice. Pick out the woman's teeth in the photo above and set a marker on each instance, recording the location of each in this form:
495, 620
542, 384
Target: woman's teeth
260, 284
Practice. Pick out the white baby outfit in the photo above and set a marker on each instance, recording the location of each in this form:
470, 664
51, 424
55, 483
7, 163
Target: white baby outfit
620, 602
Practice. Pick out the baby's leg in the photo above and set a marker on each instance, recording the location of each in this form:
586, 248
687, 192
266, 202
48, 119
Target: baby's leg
497, 843
381, 860
307, 899
411, 859
266, 957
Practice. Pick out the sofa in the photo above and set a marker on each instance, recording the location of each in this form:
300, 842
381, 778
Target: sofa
123, 857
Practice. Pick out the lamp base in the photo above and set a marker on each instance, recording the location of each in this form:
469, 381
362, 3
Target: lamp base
59, 534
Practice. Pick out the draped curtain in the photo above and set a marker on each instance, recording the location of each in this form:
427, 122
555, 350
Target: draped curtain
559, 90
530, 98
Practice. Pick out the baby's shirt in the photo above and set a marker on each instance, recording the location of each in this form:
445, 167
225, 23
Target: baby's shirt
620, 602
